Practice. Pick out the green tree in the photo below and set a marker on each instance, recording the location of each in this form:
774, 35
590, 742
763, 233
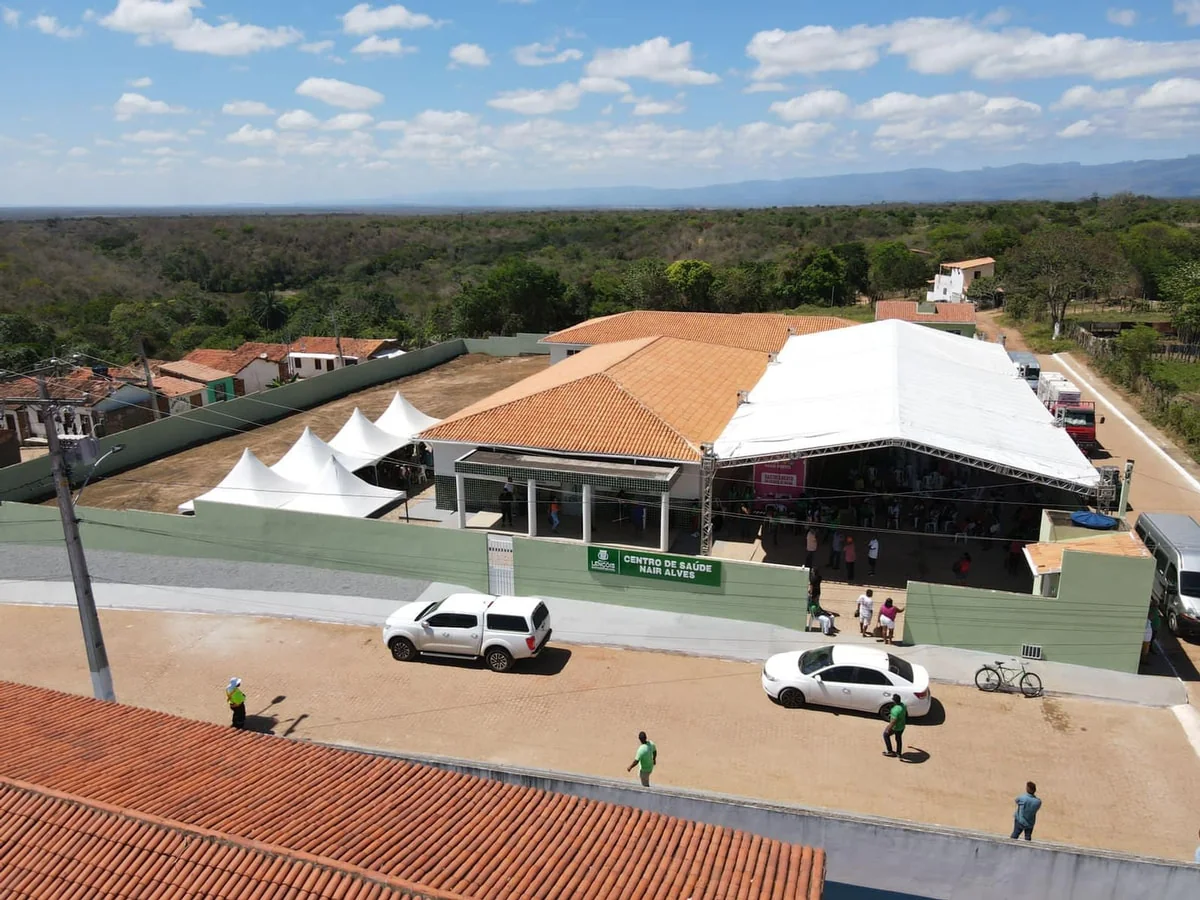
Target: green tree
269, 311
1155, 250
646, 286
1137, 347
692, 279
1181, 291
987, 292
517, 295
858, 265
894, 267
743, 288
822, 281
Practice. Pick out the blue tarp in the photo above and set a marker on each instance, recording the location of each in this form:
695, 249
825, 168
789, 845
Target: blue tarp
1098, 521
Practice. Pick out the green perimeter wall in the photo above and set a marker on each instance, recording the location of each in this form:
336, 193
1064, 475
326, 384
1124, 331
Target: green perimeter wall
31, 480
245, 534
752, 592
1098, 618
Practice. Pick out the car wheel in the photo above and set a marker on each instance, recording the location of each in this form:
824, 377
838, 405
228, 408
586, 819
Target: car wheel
402, 649
791, 698
885, 712
1173, 622
498, 659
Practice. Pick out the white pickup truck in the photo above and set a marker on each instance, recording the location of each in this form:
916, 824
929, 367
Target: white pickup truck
500, 629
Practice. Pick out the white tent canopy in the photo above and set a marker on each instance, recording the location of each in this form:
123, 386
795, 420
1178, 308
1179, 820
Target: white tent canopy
403, 420
250, 483
307, 457
364, 442
336, 491
898, 383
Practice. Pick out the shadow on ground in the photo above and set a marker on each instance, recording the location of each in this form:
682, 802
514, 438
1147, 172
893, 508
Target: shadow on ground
550, 661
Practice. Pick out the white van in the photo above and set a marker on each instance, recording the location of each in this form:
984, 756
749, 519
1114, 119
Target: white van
500, 629
1174, 540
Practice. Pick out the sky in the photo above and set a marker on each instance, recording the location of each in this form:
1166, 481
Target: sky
170, 102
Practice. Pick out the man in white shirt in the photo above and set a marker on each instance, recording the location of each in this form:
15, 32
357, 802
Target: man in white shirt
866, 608
872, 555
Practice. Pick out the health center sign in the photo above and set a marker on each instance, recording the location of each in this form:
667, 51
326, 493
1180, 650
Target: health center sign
781, 479
660, 566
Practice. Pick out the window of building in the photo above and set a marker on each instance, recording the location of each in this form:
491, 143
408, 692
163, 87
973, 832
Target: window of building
329, 365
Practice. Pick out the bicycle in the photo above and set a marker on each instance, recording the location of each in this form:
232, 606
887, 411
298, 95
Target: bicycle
991, 678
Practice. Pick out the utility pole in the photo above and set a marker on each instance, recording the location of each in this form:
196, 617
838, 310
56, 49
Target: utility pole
149, 379
337, 336
102, 685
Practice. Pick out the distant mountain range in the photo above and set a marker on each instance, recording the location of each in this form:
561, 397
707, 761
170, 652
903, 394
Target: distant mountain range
1049, 181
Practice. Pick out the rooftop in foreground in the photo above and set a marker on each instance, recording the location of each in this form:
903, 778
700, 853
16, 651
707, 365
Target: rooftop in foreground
343, 815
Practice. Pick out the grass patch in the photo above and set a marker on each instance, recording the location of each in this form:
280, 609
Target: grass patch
1116, 315
1184, 374
1038, 335
860, 312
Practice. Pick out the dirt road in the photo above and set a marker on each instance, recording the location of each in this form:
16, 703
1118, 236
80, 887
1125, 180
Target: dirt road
1111, 775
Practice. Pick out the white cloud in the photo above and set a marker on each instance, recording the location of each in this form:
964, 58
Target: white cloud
469, 55
1189, 9
945, 46
377, 46
1082, 128
766, 139
247, 108
925, 123
143, 82
254, 137
539, 103
897, 105
814, 105
78, 151
297, 120
654, 60
765, 87
49, 25
146, 136
547, 54
647, 106
173, 22
317, 47
348, 122
248, 162
362, 19
391, 125
1084, 96
1173, 92
11, 17
1126, 18
129, 105
594, 85
339, 93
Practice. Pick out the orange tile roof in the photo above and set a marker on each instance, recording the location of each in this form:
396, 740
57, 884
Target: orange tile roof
654, 398
767, 332
117, 853
194, 371
909, 311
336, 811
236, 360
170, 386
356, 348
1047, 557
969, 263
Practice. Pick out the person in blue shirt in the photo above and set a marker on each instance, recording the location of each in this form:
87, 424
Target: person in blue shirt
1025, 817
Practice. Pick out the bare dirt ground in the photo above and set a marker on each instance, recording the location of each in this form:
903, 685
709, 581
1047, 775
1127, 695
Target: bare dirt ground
1111, 775
162, 485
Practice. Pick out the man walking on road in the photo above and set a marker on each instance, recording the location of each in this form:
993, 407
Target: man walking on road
897, 720
237, 702
646, 758
866, 609
1025, 817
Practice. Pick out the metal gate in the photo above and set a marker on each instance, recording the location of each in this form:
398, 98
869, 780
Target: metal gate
500, 564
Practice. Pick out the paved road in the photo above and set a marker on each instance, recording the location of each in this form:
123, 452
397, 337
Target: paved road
1112, 775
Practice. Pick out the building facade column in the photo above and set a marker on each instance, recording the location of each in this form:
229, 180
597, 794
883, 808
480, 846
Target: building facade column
587, 513
531, 507
460, 498
664, 524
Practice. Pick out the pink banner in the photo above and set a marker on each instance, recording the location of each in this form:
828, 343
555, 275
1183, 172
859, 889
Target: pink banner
782, 479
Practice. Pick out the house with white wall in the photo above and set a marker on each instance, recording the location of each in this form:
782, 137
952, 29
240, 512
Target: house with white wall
953, 282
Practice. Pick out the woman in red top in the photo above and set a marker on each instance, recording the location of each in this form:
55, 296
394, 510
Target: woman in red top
850, 556
962, 568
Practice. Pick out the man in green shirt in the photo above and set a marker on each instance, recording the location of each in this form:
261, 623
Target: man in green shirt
237, 702
897, 719
646, 758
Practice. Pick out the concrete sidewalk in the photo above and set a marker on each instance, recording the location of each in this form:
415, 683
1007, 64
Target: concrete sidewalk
580, 622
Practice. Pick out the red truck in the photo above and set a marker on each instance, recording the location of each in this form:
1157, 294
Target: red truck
1078, 417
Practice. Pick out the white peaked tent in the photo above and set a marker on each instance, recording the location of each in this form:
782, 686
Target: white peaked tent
250, 483
361, 439
336, 491
307, 457
403, 420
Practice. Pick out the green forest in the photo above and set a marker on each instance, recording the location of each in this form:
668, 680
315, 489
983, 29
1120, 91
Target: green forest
98, 286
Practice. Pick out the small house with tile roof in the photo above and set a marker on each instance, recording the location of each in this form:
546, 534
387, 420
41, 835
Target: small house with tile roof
953, 281
255, 363
956, 318
309, 356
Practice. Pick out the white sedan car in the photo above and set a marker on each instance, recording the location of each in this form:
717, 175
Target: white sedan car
847, 677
